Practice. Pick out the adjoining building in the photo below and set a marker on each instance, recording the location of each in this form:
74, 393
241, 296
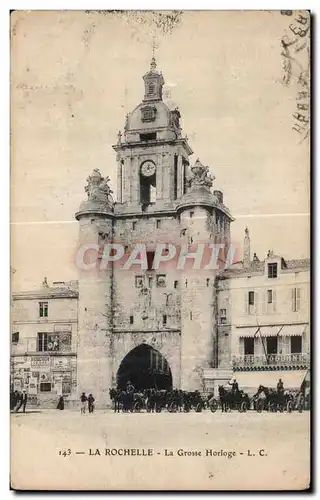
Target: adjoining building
44, 342
263, 321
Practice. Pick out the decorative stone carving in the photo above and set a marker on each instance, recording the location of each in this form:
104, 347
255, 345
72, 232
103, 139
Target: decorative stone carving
200, 177
148, 113
175, 118
98, 188
145, 300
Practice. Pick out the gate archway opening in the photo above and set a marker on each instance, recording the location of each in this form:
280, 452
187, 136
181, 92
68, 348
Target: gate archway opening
145, 368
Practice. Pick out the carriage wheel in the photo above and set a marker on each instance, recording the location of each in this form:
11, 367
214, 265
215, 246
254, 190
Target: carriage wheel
137, 406
289, 406
259, 406
270, 407
214, 406
244, 407
198, 408
173, 408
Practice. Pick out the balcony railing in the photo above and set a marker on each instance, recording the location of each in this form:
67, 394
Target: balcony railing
252, 361
30, 348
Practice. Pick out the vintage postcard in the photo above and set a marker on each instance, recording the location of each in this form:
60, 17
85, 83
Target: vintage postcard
160, 271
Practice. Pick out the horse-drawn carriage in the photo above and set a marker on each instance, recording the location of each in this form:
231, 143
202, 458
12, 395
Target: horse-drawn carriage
155, 401
269, 399
230, 400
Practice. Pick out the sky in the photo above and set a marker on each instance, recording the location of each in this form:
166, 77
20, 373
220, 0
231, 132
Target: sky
74, 76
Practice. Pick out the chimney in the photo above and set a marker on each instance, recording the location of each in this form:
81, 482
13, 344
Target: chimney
246, 248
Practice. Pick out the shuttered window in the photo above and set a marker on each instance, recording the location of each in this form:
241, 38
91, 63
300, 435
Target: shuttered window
296, 293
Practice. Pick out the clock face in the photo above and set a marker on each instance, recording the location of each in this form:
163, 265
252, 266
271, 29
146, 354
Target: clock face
148, 168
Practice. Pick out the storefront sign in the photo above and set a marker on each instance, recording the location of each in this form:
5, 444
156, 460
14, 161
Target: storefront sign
33, 385
40, 361
61, 364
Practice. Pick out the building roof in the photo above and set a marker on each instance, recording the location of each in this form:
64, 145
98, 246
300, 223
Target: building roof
258, 267
54, 292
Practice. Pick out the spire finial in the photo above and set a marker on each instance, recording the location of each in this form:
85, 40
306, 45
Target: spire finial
153, 64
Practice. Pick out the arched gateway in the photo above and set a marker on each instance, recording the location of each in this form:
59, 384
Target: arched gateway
146, 368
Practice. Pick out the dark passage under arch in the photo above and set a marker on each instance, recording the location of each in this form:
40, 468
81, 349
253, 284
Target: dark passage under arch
146, 368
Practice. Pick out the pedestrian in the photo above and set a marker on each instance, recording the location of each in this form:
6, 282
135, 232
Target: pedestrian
60, 403
22, 401
19, 401
91, 400
83, 400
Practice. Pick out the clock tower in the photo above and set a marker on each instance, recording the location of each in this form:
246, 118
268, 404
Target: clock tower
152, 325
152, 155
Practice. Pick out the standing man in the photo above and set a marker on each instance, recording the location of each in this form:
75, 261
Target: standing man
280, 387
235, 386
24, 400
130, 395
91, 400
83, 400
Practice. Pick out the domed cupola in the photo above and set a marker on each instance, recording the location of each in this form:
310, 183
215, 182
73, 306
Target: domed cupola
199, 193
99, 195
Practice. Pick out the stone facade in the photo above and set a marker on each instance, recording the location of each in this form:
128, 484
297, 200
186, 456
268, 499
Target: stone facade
160, 199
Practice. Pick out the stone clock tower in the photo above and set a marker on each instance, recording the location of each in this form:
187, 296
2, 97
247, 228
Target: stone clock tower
152, 155
157, 326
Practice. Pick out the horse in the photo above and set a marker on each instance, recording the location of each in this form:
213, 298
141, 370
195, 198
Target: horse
226, 399
121, 400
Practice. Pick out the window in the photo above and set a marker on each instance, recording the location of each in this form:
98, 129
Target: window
148, 137
191, 315
42, 342
251, 298
272, 270
43, 309
15, 338
131, 319
296, 293
272, 345
45, 386
296, 344
48, 342
134, 225
208, 281
161, 280
164, 319
158, 224
176, 284
126, 248
150, 259
150, 281
269, 296
175, 177
139, 281
151, 88
223, 316
248, 346
191, 214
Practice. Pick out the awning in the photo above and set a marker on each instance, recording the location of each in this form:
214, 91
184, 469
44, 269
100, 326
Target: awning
264, 331
247, 331
293, 330
250, 381
272, 331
